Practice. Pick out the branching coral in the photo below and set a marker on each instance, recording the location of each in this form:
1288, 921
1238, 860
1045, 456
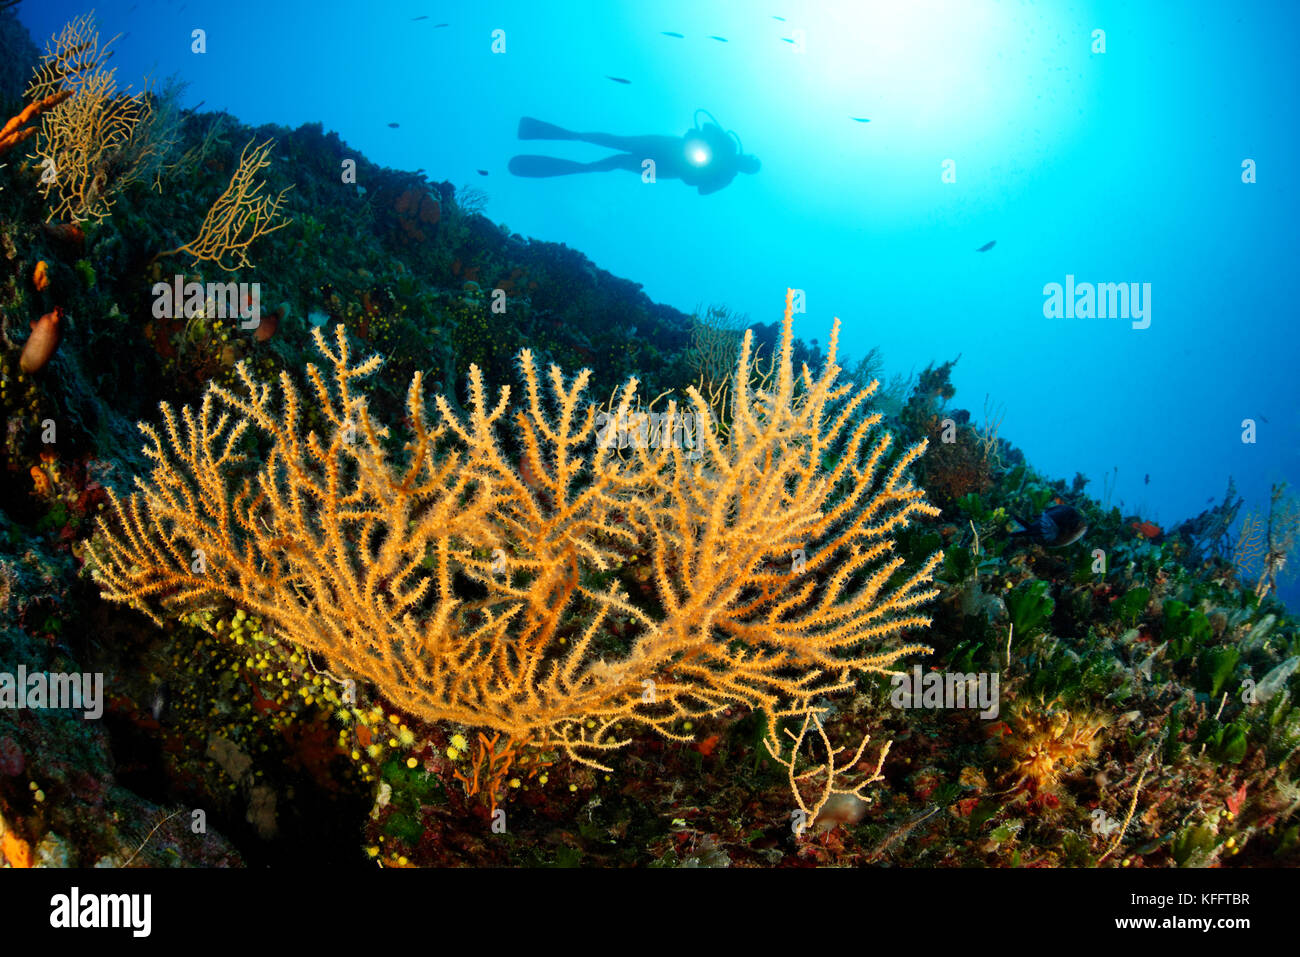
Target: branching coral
715, 346
1281, 534
1249, 547
469, 590
94, 141
820, 780
238, 217
12, 134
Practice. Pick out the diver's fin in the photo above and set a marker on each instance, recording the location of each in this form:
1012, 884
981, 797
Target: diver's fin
531, 129
539, 166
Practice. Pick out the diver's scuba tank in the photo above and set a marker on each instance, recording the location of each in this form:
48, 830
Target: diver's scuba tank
695, 118
703, 143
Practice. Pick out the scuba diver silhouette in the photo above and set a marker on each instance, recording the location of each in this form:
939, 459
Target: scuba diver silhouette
705, 157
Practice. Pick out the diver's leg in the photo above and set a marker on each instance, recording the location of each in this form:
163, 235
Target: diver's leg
536, 167
644, 146
531, 129
627, 161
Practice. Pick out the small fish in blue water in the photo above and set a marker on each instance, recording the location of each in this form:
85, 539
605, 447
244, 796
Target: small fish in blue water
482, 172
1146, 480
1209, 500
987, 246
437, 25
425, 17
1057, 527
617, 79
859, 119
394, 125
670, 33
719, 39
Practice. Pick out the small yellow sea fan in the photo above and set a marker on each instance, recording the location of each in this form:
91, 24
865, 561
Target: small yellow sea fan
1044, 742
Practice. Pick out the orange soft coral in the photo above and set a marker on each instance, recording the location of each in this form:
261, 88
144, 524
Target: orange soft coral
1148, 530
15, 850
11, 135
1044, 742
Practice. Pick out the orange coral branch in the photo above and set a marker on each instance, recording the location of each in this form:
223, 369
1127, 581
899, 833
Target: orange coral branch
240, 215
11, 135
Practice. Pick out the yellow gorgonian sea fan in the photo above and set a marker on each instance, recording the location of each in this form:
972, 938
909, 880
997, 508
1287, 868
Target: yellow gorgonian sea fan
469, 589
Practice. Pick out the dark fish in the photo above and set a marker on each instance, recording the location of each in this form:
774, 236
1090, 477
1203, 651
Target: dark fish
1057, 527
719, 39
669, 33
1209, 500
1264, 419
987, 246
437, 25
617, 79
482, 172
859, 119
1146, 480
394, 125
425, 17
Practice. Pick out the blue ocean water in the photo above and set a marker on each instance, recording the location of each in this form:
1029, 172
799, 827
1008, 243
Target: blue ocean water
986, 121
